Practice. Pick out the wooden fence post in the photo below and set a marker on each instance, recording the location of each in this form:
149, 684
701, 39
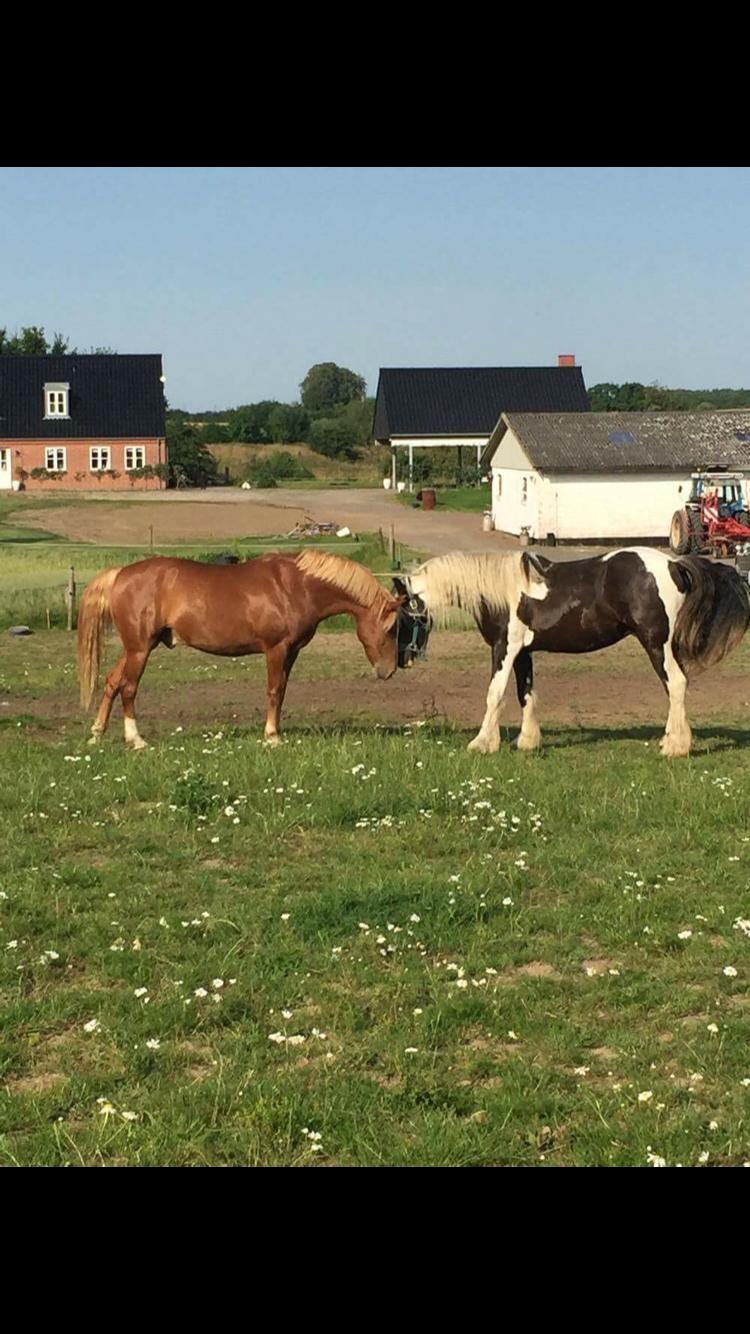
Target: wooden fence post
70, 597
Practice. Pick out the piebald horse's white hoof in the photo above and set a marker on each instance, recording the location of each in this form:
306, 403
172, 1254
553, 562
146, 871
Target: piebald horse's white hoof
528, 742
138, 743
674, 747
484, 745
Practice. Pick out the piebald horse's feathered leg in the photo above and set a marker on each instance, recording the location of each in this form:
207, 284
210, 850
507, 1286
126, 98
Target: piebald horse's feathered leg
530, 736
504, 653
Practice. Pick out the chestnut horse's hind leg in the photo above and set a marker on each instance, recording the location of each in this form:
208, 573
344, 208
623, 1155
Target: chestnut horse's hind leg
279, 663
134, 667
111, 691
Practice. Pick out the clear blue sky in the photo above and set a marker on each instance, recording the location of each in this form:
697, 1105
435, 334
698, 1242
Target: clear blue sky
244, 277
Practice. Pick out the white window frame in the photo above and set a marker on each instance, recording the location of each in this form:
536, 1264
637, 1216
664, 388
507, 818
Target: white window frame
134, 451
56, 401
99, 450
55, 451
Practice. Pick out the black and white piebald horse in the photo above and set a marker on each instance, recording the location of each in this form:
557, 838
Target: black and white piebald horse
687, 612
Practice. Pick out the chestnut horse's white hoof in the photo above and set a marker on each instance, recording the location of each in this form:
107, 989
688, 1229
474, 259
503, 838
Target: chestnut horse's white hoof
94, 739
137, 743
484, 745
273, 740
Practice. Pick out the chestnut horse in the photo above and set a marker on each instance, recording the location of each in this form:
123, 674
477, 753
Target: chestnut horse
272, 604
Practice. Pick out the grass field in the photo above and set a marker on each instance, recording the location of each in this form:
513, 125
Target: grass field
472, 499
367, 946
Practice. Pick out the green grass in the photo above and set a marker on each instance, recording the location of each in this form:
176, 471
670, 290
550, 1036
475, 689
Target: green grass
34, 572
479, 958
472, 499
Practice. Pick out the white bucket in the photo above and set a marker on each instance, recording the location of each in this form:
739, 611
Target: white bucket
487, 524
386, 483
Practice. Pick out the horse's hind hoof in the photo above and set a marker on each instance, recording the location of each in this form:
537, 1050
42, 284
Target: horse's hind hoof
528, 743
274, 740
95, 739
138, 744
484, 747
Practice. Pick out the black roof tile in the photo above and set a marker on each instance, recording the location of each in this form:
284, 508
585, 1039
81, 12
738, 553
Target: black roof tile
469, 400
110, 397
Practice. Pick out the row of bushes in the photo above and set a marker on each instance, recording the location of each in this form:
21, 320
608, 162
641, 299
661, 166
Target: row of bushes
49, 475
276, 467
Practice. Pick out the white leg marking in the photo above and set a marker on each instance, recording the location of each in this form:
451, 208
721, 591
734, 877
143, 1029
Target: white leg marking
677, 738
487, 739
530, 736
132, 735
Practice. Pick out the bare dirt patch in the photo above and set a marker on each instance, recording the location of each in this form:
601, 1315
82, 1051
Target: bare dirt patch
537, 969
31, 1085
612, 690
193, 521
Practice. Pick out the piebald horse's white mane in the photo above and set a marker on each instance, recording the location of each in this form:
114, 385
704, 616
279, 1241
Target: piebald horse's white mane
469, 581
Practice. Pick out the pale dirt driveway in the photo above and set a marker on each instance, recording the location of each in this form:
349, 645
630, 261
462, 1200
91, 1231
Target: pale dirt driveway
217, 515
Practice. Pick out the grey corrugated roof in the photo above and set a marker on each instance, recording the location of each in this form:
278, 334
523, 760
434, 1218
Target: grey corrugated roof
110, 397
467, 400
615, 442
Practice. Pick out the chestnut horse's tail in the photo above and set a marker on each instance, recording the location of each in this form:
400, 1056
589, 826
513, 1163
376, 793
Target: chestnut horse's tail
94, 617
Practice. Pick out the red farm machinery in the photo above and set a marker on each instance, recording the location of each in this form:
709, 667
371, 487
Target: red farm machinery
715, 521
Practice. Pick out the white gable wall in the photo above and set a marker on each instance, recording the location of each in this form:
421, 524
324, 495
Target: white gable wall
611, 505
581, 506
516, 489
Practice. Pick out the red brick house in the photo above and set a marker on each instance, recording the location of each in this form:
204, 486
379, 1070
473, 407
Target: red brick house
82, 423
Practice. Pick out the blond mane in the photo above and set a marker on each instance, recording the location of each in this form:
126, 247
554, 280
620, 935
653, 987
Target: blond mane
466, 581
346, 574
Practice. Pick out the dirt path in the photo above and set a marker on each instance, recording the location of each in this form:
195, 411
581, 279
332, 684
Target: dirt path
216, 515
613, 690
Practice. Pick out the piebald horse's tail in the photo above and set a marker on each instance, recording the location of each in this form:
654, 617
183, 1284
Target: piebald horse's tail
94, 617
714, 616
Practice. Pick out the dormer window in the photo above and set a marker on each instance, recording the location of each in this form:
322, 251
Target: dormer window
56, 400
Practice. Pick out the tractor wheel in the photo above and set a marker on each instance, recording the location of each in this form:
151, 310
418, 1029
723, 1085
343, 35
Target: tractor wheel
697, 536
679, 533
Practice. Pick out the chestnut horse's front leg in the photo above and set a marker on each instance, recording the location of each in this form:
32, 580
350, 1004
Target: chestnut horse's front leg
111, 691
279, 663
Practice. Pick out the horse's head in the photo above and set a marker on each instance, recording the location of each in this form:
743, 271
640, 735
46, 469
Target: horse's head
413, 625
377, 631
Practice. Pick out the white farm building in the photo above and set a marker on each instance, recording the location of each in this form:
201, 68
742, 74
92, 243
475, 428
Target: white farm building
592, 476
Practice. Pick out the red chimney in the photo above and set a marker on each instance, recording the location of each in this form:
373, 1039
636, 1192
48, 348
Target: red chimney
566, 360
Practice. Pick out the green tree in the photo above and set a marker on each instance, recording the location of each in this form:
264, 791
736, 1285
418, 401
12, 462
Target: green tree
288, 423
189, 459
250, 422
334, 437
327, 386
32, 342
